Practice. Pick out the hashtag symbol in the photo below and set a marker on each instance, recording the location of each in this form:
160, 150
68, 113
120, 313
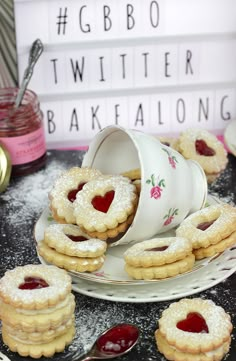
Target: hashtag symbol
62, 21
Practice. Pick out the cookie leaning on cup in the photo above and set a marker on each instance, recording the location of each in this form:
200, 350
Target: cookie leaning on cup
105, 207
37, 310
194, 330
64, 190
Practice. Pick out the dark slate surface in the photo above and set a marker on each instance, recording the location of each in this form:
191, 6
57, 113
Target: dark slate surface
20, 207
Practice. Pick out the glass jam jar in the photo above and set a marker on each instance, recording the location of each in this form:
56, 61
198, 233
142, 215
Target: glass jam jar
22, 132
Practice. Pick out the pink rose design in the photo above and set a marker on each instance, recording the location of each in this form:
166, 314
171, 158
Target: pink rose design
168, 220
172, 162
156, 192
157, 185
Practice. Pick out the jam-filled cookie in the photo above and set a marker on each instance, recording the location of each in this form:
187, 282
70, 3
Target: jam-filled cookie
68, 239
65, 189
210, 230
37, 310
159, 258
106, 206
70, 263
194, 330
206, 149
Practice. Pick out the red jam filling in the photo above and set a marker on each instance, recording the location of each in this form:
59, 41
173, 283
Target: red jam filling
203, 149
72, 194
119, 339
204, 225
76, 238
157, 249
33, 283
102, 203
193, 323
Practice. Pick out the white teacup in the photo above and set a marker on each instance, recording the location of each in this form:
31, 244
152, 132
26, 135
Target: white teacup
171, 186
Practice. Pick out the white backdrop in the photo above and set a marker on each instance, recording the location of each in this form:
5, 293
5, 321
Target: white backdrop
158, 66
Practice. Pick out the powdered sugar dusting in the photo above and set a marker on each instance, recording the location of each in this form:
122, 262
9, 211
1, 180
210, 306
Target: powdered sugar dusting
59, 284
21, 209
93, 316
58, 236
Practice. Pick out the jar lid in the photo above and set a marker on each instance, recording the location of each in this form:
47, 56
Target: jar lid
5, 168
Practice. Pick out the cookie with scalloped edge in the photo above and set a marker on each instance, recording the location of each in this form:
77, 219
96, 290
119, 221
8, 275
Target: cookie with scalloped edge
64, 191
70, 240
215, 248
37, 350
104, 206
56, 284
157, 251
196, 327
161, 272
209, 225
204, 147
38, 320
70, 263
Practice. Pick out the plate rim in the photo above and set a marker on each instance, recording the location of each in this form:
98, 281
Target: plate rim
90, 284
91, 277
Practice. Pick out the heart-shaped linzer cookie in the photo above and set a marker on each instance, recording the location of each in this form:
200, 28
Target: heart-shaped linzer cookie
194, 322
33, 283
203, 149
102, 203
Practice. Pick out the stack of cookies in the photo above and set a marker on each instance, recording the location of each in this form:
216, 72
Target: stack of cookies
211, 230
194, 329
66, 246
37, 310
159, 258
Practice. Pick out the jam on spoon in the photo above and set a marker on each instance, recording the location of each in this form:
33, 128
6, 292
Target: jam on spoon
114, 342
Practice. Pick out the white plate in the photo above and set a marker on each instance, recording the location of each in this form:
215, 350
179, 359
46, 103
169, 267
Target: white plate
189, 284
112, 272
230, 136
103, 283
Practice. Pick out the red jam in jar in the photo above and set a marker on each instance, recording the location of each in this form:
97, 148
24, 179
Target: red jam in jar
22, 132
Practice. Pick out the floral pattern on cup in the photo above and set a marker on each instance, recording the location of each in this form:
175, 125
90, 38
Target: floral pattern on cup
157, 186
169, 217
172, 159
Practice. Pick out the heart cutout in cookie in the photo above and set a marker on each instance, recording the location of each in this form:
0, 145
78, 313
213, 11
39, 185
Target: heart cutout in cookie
204, 225
102, 203
76, 238
194, 322
72, 194
33, 283
203, 149
157, 249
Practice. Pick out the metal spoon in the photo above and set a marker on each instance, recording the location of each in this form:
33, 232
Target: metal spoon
35, 52
114, 342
